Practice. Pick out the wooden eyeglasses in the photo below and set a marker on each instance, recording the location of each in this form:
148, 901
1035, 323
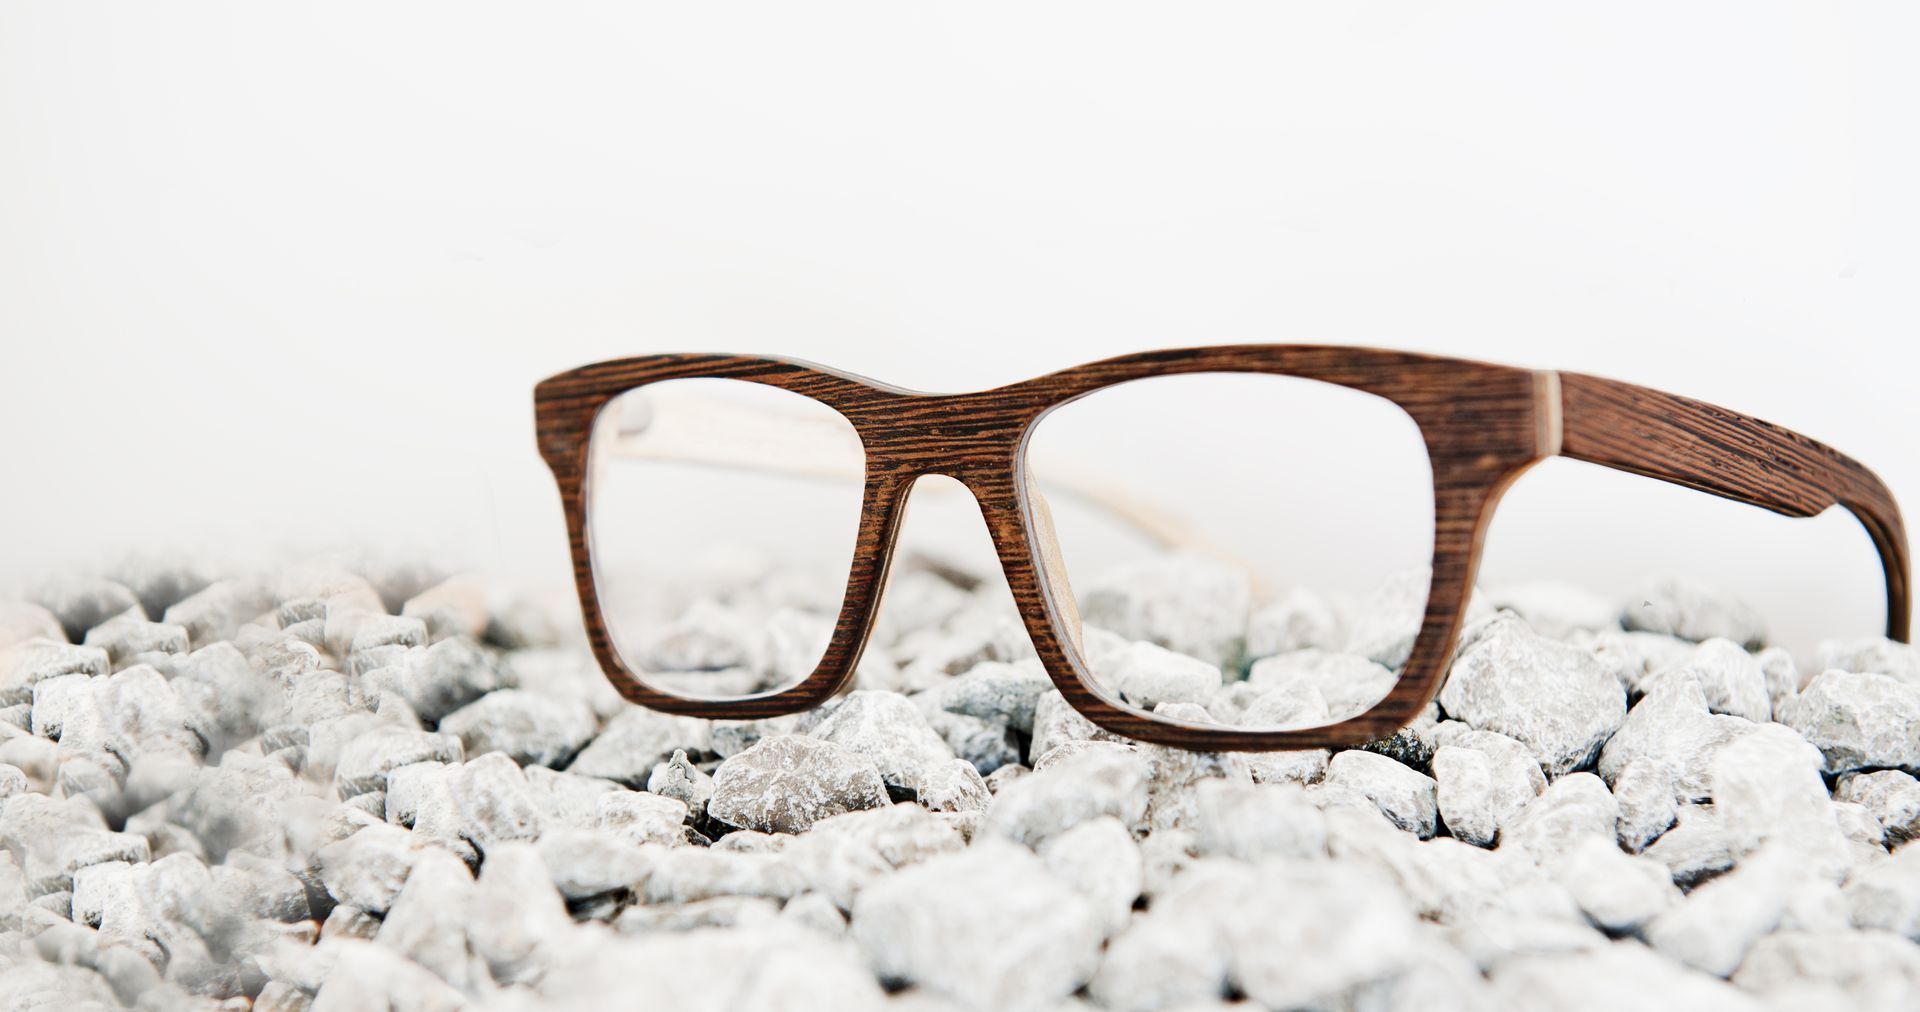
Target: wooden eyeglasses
1482, 425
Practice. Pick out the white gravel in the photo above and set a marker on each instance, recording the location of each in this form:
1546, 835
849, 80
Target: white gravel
326, 791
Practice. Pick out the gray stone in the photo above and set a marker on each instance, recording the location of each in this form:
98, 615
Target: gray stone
568, 799
768, 964
1558, 610
589, 862
1056, 722
998, 692
1844, 969
690, 874
787, 783
886, 729
532, 729
1876, 655
364, 763
1767, 790
1620, 893
1672, 728
1696, 848
1859, 721
565, 674
1866, 841
1301, 766
1678, 607
1388, 620
1571, 808
428, 921
1147, 675
639, 817
1730, 678
1285, 909
1298, 619
52, 839
1781, 674
141, 714
1892, 797
1721, 919
633, 743
1554, 698
368, 868
1350, 684
1405, 796
1885, 896
986, 745
365, 975
1622, 975
1644, 790
680, 779
517, 916
987, 926
441, 678
493, 801
1050, 801
1186, 603
1099, 859
125, 637
1253, 821
25, 664
842, 855
1482, 780
218, 610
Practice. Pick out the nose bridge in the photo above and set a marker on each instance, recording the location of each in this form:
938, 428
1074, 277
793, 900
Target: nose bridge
971, 438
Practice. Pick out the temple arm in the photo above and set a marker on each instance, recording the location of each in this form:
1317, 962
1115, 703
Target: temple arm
1734, 456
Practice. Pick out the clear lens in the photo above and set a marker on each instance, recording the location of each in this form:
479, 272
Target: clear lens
722, 517
1241, 548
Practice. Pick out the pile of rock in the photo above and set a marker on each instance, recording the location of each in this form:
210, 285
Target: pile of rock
329, 792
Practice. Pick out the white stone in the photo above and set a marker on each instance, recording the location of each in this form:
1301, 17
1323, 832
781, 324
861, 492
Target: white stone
1482, 779
1679, 607
1620, 893
787, 783
1730, 678
1183, 602
1296, 620
1720, 920
1571, 808
1148, 675
1892, 797
1099, 859
1405, 796
1554, 698
1767, 790
1859, 720
987, 926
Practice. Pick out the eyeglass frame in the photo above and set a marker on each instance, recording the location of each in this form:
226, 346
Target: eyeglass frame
1483, 426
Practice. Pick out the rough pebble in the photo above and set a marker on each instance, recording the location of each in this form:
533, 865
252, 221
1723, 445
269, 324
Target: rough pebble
280, 788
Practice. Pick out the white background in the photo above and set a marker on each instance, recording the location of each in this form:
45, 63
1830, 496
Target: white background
278, 277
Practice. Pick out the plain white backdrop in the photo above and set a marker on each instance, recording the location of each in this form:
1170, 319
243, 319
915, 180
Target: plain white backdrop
279, 277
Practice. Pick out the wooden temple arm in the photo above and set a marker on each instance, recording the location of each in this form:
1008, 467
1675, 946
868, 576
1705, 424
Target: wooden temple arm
1734, 456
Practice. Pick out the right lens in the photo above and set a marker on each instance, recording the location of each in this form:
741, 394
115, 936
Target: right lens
1218, 534
722, 519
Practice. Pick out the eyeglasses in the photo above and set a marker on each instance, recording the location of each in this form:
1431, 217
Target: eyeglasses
860, 446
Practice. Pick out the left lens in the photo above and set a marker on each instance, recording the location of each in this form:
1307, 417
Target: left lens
722, 517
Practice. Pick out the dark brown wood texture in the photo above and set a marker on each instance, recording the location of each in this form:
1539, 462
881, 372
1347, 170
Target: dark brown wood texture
1735, 456
1483, 425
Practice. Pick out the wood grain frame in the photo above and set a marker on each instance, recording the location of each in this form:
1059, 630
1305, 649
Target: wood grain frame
1483, 426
